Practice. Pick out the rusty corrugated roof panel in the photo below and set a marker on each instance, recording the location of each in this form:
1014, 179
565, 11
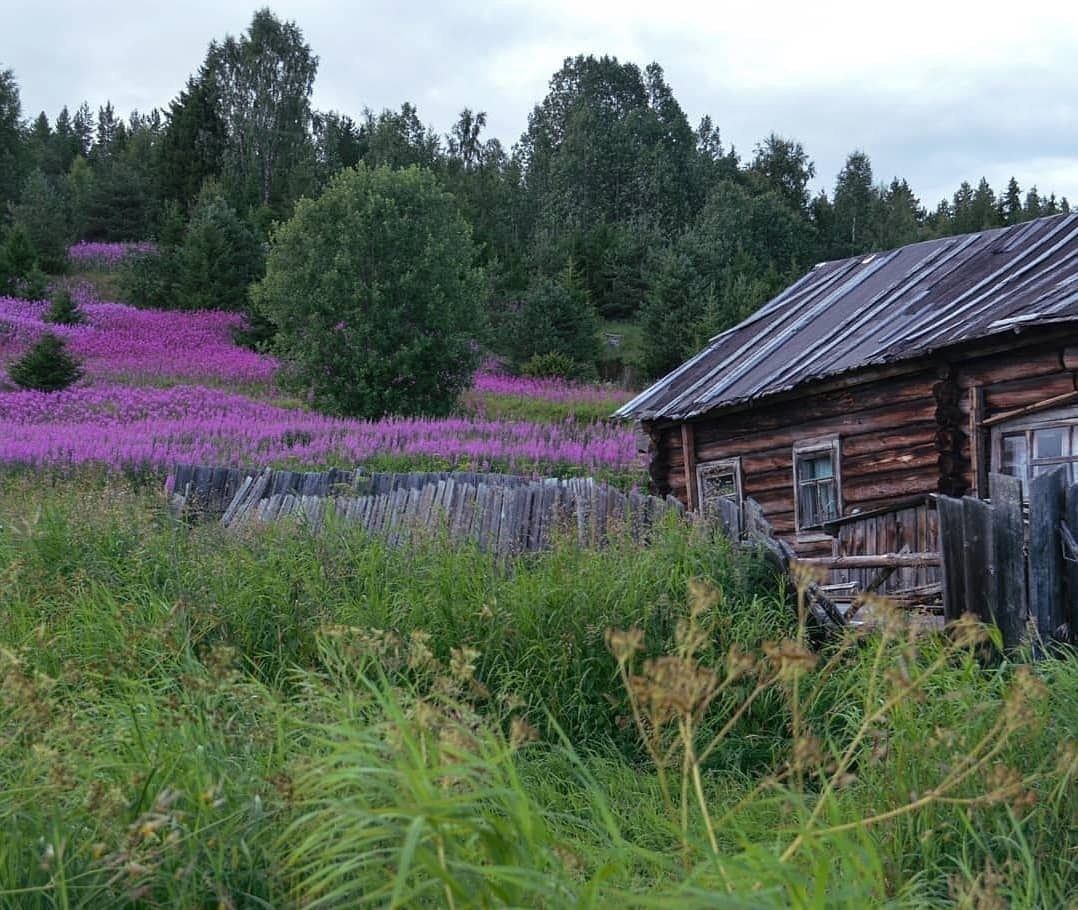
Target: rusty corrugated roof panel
880, 308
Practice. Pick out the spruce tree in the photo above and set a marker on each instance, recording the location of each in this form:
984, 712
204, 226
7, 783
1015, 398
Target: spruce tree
46, 367
63, 310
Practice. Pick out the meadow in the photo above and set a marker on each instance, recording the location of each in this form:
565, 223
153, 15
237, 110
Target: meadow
193, 716
161, 388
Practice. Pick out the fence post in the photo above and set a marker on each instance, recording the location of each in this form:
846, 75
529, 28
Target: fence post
1046, 496
980, 567
1009, 538
952, 551
1070, 612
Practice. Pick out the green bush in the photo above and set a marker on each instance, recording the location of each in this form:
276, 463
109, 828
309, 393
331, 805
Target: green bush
551, 365
18, 262
376, 297
207, 264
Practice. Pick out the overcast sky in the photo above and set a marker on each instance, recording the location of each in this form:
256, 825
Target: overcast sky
936, 92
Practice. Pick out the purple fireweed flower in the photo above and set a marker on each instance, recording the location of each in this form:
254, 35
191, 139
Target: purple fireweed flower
92, 254
162, 388
490, 381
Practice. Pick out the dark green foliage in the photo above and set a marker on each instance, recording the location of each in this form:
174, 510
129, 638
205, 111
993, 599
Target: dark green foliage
206, 265
218, 260
12, 146
18, 259
375, 295
152, 280
42, 213
1010, 204
398, 139
744, 247
549, 366
46, 367
337, 144
63, 310
193, 142
606, 144
901, 216
856, 209
119, 204
785, 167
35, 286
556, 319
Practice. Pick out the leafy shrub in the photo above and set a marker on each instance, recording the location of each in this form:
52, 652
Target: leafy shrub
46, 367
552, 365
207, 265
376, 296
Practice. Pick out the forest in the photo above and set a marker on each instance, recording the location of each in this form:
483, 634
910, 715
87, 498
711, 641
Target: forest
610, 214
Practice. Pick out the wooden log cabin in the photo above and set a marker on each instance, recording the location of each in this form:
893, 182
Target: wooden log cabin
846, 403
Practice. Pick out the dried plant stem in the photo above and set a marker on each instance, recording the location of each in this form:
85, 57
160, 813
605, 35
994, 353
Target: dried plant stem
974, 760
761, 687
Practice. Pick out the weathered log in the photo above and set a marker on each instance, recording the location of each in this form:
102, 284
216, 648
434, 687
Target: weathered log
881, 560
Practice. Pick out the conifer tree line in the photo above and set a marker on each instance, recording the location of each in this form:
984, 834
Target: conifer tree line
611, 210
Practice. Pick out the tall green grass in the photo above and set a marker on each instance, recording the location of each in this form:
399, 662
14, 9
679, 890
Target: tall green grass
264, 717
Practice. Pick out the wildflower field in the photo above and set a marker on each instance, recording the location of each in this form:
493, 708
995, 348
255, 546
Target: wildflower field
162, 388
263, 717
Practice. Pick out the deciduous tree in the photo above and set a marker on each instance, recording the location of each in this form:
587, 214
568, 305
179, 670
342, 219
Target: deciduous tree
375, 295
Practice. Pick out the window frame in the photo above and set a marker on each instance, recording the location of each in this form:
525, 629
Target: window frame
1026, 426
811, 448
720, 466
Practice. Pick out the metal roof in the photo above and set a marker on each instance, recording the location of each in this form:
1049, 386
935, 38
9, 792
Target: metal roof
877, 309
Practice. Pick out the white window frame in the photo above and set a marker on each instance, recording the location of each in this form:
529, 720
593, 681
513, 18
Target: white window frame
814, 448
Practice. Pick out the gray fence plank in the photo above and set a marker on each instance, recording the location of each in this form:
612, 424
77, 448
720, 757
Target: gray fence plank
952, 550
1009, 538
980, 568
1046, 501
1070, 612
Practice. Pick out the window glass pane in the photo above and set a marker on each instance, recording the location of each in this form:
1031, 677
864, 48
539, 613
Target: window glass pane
828, 500
1050, 443
1014, 455
719, 485
817, 492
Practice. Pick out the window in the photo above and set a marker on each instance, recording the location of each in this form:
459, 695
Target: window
1033, 446
717, 483
816, 483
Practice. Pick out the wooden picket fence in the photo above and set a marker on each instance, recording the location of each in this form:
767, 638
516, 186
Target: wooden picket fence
1017, 572
503, 513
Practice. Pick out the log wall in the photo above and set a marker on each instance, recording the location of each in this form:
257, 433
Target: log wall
914, 434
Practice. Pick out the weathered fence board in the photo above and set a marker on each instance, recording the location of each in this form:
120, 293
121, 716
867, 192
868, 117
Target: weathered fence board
980, 562
1010, 571
1008, 534
952, 549
503, 513
1047, 497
